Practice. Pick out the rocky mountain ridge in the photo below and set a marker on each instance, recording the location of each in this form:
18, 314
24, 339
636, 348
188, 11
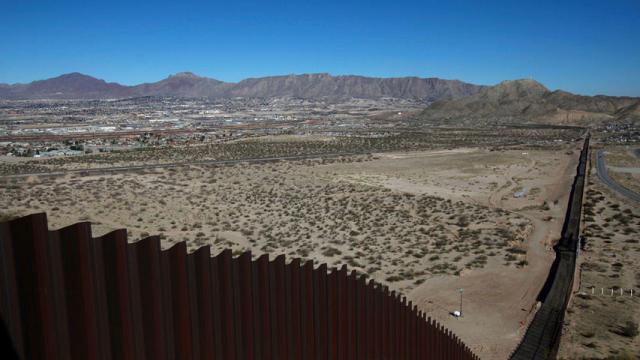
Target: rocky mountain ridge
189, 85
518, 101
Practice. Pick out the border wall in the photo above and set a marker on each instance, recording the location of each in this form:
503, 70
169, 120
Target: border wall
66, 295
542, 338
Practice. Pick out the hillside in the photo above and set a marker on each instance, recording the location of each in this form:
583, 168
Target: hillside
67, 86
189, 85
335, 87
528, 101
184, 84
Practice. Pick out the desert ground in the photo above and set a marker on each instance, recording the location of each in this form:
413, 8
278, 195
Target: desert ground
498, 304
601, 323
424, 223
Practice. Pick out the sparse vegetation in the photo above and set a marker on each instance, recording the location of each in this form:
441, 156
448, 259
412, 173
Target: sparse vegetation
297, 208
608, 262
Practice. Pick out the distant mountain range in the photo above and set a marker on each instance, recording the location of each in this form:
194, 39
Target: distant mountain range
521, 101
447, 101
307, 86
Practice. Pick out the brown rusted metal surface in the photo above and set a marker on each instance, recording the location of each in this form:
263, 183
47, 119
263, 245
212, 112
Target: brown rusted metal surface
102, 316
9, 301
262, 306
244, 299
384, 327
175, 269
320, 311
64, 294
147, 252
227, 305
37, 313
78, 273
204, 302
307, 311
332, 318
59, 295
351, 316
368, 323
278, 331
294, 328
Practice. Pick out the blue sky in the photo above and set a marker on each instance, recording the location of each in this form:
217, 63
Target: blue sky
587, 47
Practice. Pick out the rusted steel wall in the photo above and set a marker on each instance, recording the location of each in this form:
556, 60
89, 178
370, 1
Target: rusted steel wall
66, 295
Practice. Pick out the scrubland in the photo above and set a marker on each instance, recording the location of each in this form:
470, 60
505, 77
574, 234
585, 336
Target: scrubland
422, 222
601, 321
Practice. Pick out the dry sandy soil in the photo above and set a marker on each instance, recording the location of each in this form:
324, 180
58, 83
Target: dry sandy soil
424, 223
497, 304
600, 324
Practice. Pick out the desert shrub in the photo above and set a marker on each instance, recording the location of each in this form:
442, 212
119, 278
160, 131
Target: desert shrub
330, 251
629, 329
394, 278
624, 355
510, 257
517, 250
588, 334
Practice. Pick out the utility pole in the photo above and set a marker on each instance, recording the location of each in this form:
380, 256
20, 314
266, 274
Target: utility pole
461, 290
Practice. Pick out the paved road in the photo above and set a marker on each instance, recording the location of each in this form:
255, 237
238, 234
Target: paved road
97, 171
604, 176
